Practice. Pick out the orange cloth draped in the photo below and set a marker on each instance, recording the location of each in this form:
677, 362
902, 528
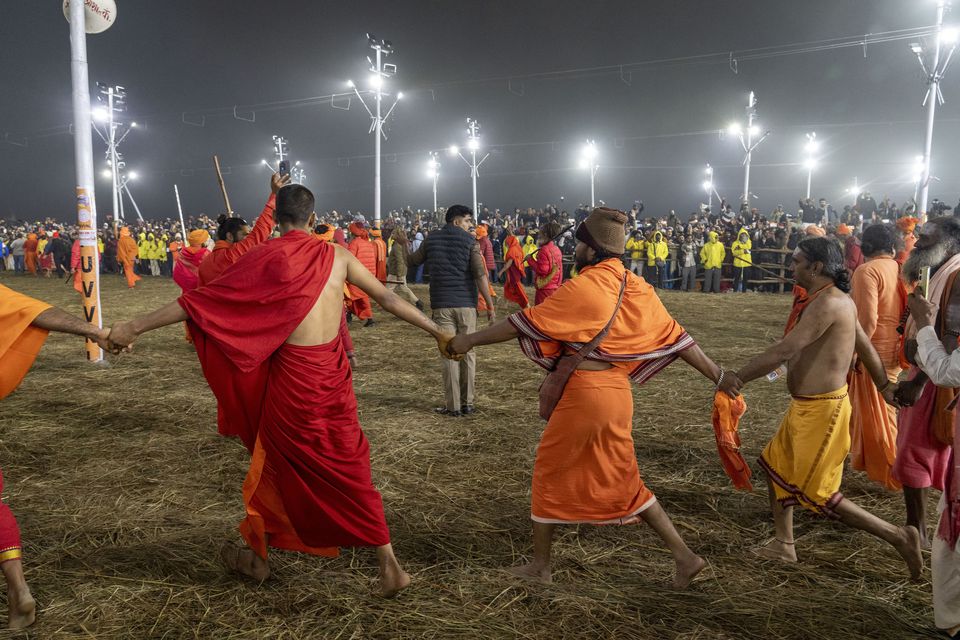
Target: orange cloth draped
481, 304
513, 287
727, 412
20, 341
127, 252
30, 253
365, 251
225, 254
880, 298
309, 486
586, 467
381, 259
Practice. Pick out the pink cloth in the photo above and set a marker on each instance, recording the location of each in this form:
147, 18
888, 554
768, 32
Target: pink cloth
186, 272
921, 461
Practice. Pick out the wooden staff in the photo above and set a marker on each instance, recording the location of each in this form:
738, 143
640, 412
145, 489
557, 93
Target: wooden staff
223, 187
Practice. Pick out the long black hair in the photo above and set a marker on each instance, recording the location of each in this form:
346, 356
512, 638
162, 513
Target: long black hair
878, 238
229, 225
828, 253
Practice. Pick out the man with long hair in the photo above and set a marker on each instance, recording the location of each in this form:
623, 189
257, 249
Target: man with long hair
804, 460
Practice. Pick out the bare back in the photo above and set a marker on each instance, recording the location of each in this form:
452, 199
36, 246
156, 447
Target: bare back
322, 323
822, 365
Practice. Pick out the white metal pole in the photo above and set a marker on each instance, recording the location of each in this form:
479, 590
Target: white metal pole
809, 179
83, 156
436, 177
183, 227
376, 153
593, 189
113, 154
473, 174
746, 169
932, 97
135, 207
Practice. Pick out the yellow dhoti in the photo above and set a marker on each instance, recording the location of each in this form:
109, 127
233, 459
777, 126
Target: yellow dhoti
805, 458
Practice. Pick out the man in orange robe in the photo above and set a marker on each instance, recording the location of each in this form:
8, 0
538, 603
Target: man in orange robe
24, 325
513, 262
586, 466
881, 299
235, 238
30, 253
127, 252
381, 255
364, 251
309, 486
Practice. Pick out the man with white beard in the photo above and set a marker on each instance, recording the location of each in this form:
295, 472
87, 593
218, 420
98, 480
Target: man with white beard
925, 427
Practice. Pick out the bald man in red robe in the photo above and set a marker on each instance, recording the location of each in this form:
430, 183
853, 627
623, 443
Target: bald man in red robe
273, 317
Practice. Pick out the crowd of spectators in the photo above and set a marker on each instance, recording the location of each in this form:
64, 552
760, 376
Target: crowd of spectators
712, 251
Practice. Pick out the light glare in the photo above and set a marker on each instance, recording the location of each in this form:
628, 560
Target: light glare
949, 35
810, 164
453, 150
376, 81
473, 144
735, 129
100, 114
133, 175
707, 185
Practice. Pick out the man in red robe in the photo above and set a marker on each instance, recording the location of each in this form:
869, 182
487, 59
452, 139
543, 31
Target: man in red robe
24, 325
271, 320
381, 255
364, 250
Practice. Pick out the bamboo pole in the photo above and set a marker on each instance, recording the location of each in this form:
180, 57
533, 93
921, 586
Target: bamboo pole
223, 187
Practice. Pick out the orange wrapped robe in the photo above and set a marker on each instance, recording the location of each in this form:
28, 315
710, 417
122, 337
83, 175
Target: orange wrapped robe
358, 302
586, 466
127, 252
20, 342
880, 297
30, 253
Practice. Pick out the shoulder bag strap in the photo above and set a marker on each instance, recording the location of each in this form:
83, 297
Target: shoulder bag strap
588, 348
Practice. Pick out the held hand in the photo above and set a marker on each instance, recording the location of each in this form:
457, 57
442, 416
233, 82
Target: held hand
731, 384
278, 181
458, 346
906, 393
121, 336
923, 311
443, 344
890, 395
100, 336
491, 316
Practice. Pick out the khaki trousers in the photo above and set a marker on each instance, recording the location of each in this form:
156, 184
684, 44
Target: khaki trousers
403, 291
458, 377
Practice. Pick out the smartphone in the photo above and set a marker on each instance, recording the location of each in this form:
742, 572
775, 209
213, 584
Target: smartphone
284, 167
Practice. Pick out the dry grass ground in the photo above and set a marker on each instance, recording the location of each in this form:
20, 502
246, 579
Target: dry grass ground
124, 493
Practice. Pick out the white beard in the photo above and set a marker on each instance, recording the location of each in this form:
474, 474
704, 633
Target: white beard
934, 256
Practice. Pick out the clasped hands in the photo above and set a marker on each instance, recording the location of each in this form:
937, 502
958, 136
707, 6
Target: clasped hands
453, 347
117, 339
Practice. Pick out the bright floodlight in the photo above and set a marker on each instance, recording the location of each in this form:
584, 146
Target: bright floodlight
431, 173
754, 130
376, 81
707, 186
350, 83
811, 146
100, 114
133, 125
132, 175
263, 161
106, 173
473, 144
453, 150
584, 164
297, 163
709, 170
735, 129
810, 164
590, 151
916, 48
949, 35
400, 95
432, 163
855, 191
915, 178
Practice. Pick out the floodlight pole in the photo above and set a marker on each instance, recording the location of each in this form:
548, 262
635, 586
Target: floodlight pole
183, 227
934, 76
83, 156
473, 143
130, 195
751, 112
710, 189
434, 166
114, 172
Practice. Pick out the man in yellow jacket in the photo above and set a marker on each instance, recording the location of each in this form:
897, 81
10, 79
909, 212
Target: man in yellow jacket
636, 248
712, 255
529, 247
741, 260
143, 254
657, 252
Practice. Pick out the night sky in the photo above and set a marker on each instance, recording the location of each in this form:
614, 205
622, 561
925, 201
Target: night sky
453, 59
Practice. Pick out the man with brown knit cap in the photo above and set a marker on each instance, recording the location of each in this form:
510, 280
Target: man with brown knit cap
586, 467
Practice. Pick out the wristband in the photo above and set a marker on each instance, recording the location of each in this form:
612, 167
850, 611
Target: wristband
720, 379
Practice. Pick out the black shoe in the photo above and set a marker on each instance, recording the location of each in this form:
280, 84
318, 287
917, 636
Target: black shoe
419, 305
468, 409
443, 411
349, 317
369, 323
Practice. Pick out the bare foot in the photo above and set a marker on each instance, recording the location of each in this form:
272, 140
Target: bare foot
909, 549
776, 550
22, 609
393, 581
244, 560
532, 572
687, 570
924, 540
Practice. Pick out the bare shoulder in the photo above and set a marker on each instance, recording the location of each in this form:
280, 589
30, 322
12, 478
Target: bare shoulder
835, 304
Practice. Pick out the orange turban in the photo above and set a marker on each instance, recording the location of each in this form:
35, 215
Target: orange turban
125, 232
907, 224
844, 230
481, 231
356, 230
815, 231
326, 236
376, 233
197, 237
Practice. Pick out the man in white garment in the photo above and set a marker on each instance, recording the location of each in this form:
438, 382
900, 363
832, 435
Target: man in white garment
944, 371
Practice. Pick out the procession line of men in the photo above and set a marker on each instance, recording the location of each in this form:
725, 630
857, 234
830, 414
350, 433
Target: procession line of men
284, 379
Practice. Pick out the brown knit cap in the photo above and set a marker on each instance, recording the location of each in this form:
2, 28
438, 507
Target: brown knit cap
607, 227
